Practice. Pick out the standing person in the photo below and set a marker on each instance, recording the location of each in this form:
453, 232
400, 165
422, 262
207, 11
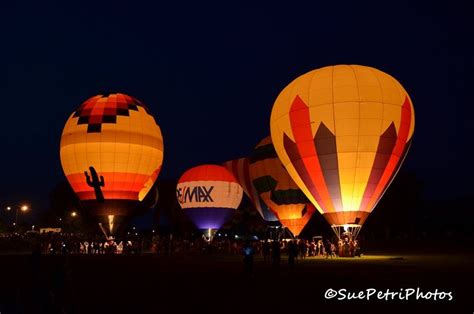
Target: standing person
276, 253
301, 248
113, 247
356, 248
248, 251
292, 252
266, 250
346, 248
171, 245
312, 248
327, 248
333, 250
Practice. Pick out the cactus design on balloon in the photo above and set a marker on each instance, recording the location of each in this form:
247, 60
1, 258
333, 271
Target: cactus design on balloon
95, 183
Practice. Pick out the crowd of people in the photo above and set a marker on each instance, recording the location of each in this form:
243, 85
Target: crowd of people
298, 248
301, 248
69, 243
264, 248
55, 243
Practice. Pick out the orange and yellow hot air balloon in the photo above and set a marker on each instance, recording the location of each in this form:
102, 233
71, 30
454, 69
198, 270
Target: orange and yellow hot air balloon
240, 168
342, 133
277, 189
111, 152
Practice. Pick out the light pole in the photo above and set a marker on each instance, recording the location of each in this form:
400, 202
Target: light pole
74, 216
22, 208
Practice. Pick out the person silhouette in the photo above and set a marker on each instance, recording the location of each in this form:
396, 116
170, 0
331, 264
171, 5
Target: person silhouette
248, 252
292, 252
266, 250
276, 253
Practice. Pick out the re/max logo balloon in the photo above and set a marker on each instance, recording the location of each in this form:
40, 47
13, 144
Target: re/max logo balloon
196, 194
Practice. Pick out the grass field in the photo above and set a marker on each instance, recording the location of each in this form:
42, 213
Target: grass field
218, 284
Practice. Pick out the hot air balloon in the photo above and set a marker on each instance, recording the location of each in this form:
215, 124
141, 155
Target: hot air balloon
111, 152
241, 171
342, 133
277, 189
209, 195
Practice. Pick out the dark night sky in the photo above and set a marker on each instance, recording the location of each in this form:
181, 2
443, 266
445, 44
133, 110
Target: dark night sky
210, 74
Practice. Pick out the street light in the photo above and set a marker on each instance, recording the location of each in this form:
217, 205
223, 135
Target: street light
22, 208
73, 214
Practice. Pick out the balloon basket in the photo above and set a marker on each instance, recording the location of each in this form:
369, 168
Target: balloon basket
208, 234
350, 231
277, 233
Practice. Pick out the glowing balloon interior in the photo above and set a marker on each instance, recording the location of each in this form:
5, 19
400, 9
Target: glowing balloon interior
342, 133
277, 189
209, 195
111, 152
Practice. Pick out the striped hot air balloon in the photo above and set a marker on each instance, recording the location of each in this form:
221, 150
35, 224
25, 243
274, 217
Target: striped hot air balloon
277, 189
342, 133
209, 195
111, 152
241, 171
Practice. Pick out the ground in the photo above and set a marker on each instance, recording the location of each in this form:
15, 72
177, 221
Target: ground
210, 284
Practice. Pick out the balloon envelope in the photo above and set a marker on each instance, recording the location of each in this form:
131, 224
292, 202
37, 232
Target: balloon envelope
209, 195
277, 189
241, 171
111, 152
342, 133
